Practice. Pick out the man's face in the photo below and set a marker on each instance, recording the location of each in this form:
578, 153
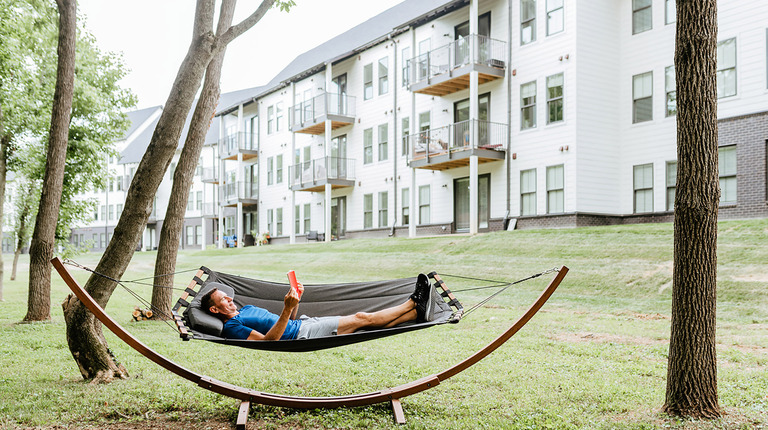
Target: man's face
223, 304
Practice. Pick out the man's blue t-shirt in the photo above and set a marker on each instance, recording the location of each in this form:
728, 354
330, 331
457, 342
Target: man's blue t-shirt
261, 320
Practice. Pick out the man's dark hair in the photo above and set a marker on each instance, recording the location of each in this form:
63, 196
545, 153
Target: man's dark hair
207, 301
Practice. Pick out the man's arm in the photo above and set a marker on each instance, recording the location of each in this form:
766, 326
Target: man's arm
291, 303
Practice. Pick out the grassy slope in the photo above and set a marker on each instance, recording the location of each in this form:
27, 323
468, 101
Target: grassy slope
595, 357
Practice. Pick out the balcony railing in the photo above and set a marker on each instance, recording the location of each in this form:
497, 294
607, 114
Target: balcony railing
210, 210
458, 137
321, 171
210, 175
239, 191
340, 108
234, 143
488, 53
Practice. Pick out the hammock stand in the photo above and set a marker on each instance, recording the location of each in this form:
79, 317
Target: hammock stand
248, 396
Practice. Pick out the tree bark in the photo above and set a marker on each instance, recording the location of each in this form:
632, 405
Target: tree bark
87, 344
41, 249
21, 232
5, 140
692, 364
173, 224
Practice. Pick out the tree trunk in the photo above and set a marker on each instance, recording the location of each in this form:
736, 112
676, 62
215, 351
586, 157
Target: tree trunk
692, 367
173, 224
21, 233
5, 140
41, 249
16, 254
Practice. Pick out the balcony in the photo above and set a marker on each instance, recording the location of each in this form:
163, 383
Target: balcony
445, 70
451, 146
309, 117
313, 175
239, 192
239, 143
210, 210
209, 175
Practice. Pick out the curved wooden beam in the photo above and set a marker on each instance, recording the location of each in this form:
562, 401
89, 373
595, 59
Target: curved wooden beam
248, 395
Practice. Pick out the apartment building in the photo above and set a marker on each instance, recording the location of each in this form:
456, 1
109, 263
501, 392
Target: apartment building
438, 117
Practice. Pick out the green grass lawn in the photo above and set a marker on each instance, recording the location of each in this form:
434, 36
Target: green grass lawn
594, 357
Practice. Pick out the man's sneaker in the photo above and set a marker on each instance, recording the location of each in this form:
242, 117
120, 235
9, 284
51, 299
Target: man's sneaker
422, 297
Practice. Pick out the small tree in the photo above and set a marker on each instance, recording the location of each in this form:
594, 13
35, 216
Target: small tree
25, 205
692, 367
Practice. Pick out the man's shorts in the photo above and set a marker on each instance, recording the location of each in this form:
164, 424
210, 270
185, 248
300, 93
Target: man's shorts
317, 327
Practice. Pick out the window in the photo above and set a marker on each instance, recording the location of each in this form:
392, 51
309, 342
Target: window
368, 82
111, 184
199, 195
555, 98
670, 11
424, 202
368, 146
726, 68
279, 222
641, 16
270, 221
528, 192
383, 137
270, 119
406, 63
554, 17
95, 240
103, 212
190, 201
527, 21
119, 210
95, 214
307, 213
671, 182
643, 187
383, 75
111, 212
671, 90
297, 219
119, 181
528, 105
383, 208
726, 166
642, 97
279, 119
198, 235
270, 170
279, 169
102, 240
406, 215
555, 189
190, 234
406, 127
368, 211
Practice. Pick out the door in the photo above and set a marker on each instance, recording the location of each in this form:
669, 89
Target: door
338, 217
462, 123
338, 96
338, 162
461, 33
461, 201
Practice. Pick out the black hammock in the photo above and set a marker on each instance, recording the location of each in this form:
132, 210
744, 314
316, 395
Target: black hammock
318, 300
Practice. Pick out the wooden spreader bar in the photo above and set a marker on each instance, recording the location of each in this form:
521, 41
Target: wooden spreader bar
248, 396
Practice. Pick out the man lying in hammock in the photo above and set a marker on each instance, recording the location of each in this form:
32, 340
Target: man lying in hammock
255, 323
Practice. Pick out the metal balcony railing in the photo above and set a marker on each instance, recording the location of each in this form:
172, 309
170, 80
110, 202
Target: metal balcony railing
321, 169
235, 142
314, 109
209, 174
210, 210
487, 51
457, 137
234, 191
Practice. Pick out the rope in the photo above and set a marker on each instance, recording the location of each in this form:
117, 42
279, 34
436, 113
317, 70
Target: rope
166, 317
505, 287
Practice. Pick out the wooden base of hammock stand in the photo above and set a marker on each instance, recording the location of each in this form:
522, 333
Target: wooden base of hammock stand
248, 396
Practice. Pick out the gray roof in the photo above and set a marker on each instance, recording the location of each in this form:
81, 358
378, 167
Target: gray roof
358, 38
137, 118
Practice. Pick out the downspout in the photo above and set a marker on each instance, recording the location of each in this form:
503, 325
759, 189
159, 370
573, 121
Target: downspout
509, 115
394, 133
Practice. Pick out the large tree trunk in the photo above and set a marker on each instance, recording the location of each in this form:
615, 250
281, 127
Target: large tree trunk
173, 224
88, 346
692, 368
5, 140
43, 238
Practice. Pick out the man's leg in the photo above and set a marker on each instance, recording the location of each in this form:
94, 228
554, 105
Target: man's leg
381, 319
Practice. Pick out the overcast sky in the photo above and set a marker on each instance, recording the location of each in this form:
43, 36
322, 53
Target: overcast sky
154, 35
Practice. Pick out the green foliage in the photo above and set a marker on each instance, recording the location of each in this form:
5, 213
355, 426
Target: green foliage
594, 357
284, 5
27, 81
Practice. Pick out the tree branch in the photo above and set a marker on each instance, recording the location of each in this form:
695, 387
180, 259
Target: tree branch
243, 26
203, 17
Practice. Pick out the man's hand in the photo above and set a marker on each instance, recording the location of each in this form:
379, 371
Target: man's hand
293, 297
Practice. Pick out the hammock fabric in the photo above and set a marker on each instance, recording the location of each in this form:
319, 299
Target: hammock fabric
318, 300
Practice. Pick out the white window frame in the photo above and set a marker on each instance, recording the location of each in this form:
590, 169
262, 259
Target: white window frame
555, 100
527, 105
556, 189
383, 135
368, 81
425, 198
528, 202
383, 208
642, 188
368, 146
383, 75
670, 88
671, 183
642, 96
367, 210
641, 9
726, 65
727, 169
527, 22
556, 14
